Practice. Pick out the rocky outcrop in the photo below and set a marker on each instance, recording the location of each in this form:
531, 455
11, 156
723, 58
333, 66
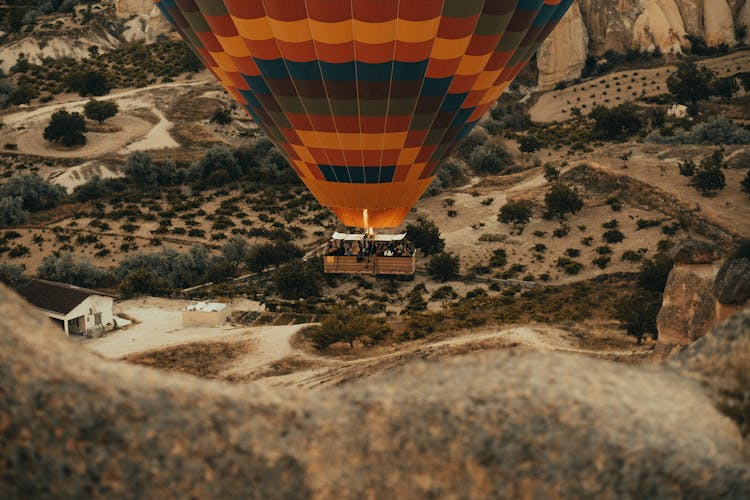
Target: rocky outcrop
659, 26
638, 24
733, 282
562, 55
700, 294
695, 252
688, 309
718, 23
481, 426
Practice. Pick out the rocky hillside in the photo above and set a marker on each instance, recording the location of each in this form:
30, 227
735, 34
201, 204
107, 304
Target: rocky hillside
106, 26
593, 27
483, 426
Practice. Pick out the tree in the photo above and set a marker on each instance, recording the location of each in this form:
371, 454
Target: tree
259, 257
67, 269
36, 193
222, 116
66, 128
12, 212
551, 174
12, 275
561, 200
708, 178
142, 281
637, 314
617, 123
444, 266
654, 273
426, 236
140, 170
515, 212
348, 325
100, 110
297, 280
23, 94
489, 159
687, 168
745, 184
725, 87
89, 82
690, 83
529, 144
235, 251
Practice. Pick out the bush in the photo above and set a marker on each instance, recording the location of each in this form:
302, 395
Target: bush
529, 144
617, 123
551, 174
222, 116
601, 262
66, 128
499, 258
613, 236
36, 193
12, 275
100, 110
569, 266
89, 82
419, 326
12, 212
348, 325
708, 178
426, 236
745, 184
444, 266
631, 256
177, 270
474, 140
143, 281
561, 200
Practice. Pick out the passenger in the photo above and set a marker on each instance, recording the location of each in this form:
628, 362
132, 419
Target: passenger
388, 252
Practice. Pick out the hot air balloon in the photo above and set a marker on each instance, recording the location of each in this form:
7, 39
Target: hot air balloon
365, 98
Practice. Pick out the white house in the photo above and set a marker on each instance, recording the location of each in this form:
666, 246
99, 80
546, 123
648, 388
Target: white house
205, 314
77, 310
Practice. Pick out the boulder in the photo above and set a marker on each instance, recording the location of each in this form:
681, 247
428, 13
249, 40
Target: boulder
721, 361
689, 305
562, 55
696, 252
491, 425
733, 282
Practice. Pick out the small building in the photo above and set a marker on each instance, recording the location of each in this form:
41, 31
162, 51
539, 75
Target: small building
205, 314
77, 310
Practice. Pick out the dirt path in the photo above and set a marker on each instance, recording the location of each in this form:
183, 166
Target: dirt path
25, 127
328, 371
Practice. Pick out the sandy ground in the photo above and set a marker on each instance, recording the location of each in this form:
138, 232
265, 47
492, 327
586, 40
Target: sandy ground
70, 178
159, 326
623, 86
25, 127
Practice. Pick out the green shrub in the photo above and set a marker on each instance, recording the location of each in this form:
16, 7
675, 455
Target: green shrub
444, 266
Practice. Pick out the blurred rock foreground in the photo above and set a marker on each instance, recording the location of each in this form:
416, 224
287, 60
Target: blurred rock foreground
524, 425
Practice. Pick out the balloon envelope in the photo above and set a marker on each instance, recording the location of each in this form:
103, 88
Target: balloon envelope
365, 97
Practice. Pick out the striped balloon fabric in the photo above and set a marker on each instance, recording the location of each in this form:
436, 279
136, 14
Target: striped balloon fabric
365, 97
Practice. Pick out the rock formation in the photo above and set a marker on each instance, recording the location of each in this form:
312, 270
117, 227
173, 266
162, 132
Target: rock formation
492, 425
562, 55
701, 294
636, 24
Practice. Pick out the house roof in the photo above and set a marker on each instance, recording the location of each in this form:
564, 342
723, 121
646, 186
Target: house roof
59, 298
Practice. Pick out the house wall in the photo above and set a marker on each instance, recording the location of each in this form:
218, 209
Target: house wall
200, 318
92, 305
